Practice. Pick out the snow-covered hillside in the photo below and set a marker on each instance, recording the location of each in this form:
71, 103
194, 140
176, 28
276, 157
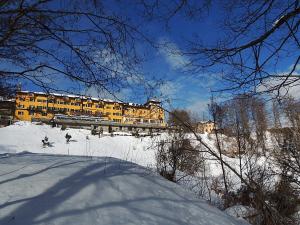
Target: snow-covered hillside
25, 136
45, 189
54, 176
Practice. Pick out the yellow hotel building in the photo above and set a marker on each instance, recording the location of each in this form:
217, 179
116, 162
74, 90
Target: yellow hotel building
41, 106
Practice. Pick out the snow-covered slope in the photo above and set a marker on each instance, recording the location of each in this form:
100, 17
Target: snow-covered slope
25, 136
45, 189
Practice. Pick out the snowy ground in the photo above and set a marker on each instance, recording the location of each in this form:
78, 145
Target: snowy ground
25, 136
45, 189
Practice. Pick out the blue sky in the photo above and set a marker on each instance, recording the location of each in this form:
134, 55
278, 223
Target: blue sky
179, 89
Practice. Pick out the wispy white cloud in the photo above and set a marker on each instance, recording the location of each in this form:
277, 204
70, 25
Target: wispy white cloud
172, 54
290, 88
297, 68
199, 107
169, 89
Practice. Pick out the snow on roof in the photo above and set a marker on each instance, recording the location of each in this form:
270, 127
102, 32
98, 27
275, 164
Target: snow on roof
87, 97
205, 121
153, 100
71, 96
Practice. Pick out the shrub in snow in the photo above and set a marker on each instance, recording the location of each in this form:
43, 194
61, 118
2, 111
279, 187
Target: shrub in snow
177, 154
285, 198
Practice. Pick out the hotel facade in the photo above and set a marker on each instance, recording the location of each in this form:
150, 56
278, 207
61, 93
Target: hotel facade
34, 106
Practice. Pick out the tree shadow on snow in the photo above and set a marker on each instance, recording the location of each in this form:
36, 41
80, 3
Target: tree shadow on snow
71, 200
53, 166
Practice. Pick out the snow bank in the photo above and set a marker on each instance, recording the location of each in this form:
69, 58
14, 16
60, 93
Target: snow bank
47, 189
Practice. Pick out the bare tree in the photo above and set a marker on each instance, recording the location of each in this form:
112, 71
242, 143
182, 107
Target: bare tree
257, 36
218, 116
7, 89
176, 154
87, 42
287, 150
179, 116
260, 121
249, 48
276, 114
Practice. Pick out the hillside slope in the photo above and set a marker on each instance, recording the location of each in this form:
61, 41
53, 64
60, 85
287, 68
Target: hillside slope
45, 189
25, 136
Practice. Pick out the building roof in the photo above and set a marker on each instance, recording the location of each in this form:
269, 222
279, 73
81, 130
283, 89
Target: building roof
92, 98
